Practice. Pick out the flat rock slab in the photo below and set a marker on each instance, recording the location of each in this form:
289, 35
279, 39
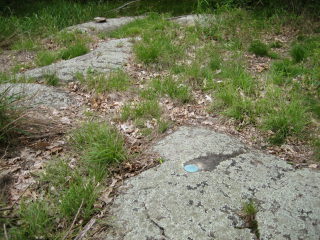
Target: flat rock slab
33, 95
109, 25
166, 202
106, 57
193, 19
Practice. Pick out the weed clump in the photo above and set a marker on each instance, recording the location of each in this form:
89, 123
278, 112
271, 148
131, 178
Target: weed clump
45, 58
173, 89
288, 119
259, 48
9, 114
51, 79
143, 110
75, 50
36, 221
298, 53
101, 146
117, 80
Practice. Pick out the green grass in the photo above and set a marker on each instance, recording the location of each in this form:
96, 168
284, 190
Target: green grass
156, 48
276, 44
287, 118
45, 58
259, 48
41, 20
51, 79
172, 88
117, 80
36, 221
75, 50
298, 53
80, 191
163, 125
153, 22
58, 174
100, 146
9, 114
144, 110
283, 71
25, 44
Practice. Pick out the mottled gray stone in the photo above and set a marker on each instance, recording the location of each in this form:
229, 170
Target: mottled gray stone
33, 95
193, 19
166, 202
109, 25
106, 57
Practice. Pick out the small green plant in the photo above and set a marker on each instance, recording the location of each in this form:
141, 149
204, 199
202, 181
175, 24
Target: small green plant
161, 160
46, 58
75, 50
298, 53
249, 211
145, 110
51, 79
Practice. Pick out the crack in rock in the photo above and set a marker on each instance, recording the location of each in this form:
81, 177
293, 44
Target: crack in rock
161, 229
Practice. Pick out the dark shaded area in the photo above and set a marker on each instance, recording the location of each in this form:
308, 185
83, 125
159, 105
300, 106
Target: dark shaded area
175, 7
211, 161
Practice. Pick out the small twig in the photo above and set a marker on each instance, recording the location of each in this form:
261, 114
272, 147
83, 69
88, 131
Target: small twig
14, 203
42, 136
73, 222
5, 231
86, 229
124, 5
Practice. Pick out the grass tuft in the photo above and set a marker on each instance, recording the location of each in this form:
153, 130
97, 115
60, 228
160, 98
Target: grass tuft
173, 89
285, 118
81, 191
143, 110
51, 79
9, 114
117, 80
298, 53
101, 146
36, 221
259, 48
75, 50
45, 58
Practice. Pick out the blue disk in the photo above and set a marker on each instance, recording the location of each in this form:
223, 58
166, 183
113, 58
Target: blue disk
191, 168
